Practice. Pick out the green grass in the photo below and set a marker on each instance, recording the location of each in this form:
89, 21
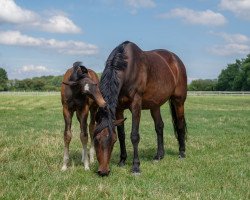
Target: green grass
217, 164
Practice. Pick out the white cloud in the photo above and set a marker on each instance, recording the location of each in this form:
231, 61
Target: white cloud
12, 13
59, 24
141, 3
32, 68
65, 47
234, 44
233, 38
240, 8
207, 17
136, 4
27, 71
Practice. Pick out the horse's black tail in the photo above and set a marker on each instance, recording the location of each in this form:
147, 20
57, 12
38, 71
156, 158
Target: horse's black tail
175, 121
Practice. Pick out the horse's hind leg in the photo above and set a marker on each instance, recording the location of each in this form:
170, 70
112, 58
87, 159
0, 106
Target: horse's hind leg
82, 118
177, 110
159, 125
67, 136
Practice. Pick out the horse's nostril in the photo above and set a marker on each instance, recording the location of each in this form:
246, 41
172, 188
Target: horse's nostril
103, 173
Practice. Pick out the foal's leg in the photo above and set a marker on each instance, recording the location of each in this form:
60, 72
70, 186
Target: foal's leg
93, 111
159, 125
180, 126
82, 117
121, 136
67, 136
135, 137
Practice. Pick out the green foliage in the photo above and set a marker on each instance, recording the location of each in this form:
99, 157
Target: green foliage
203, 85
236, 77
216, 167
43, 83
3, 80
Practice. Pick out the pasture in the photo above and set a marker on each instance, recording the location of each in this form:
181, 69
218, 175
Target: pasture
217, 164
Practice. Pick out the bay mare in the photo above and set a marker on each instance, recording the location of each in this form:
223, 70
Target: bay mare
135, 79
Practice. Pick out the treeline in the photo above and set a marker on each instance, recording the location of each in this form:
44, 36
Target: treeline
43, 83
236, 77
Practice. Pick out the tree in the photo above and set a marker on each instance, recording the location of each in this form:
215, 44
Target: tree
227, 77
3, 80
236, 76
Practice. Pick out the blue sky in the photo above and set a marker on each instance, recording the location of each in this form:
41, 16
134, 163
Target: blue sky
46, 37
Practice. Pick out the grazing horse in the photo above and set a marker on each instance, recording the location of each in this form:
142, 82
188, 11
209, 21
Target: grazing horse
80, 92
135, 79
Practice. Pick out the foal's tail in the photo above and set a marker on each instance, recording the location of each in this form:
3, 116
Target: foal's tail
177, 130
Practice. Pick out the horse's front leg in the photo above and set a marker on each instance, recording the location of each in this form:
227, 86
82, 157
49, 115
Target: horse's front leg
67, 114
135, 137
121, 136
82, 116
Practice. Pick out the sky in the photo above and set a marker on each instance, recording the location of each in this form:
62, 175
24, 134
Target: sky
46, 37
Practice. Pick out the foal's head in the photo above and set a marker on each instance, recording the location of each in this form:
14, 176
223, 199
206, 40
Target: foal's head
82, 83
104, 139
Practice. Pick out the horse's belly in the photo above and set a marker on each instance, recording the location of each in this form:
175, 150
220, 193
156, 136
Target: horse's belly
149, 102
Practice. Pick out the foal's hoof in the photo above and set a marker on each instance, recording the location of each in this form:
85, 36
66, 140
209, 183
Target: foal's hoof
64, 168
182, 154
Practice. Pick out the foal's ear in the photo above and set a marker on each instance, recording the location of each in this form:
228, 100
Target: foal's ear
84, 69
119, 122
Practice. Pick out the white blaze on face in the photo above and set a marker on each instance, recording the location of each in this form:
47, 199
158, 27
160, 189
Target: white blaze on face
86, 87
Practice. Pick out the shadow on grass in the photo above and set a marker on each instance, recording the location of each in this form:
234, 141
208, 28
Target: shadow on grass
144, 155
76, 157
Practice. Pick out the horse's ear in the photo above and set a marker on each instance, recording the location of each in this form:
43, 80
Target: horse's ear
70, 83
84, 69
119, 122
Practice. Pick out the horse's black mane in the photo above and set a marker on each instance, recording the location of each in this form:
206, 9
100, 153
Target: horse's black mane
109, 85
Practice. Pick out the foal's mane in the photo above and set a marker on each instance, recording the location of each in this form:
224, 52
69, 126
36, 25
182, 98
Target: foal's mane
76, 76
109, 84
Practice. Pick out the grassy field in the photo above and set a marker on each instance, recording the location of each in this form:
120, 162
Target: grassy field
217, 164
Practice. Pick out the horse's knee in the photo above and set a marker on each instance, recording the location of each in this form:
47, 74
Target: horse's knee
135, 138
67, 136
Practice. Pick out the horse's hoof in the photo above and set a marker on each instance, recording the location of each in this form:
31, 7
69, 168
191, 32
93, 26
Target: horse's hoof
158, 158
86, 168
135, 170
121, 163
182, 154
136, 173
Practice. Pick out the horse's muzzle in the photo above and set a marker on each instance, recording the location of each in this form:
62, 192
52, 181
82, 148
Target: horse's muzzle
103, 173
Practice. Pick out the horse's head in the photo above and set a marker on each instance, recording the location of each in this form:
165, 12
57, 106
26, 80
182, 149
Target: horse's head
81, 82
104, 139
